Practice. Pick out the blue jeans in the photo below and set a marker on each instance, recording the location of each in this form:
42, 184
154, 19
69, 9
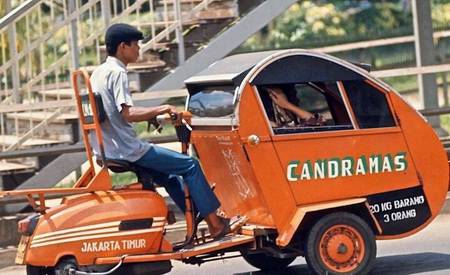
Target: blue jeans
168, 166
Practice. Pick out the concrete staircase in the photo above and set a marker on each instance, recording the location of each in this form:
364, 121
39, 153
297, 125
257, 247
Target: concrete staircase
57, 129
207, 36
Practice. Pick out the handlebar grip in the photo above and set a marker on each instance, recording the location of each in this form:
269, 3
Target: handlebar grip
173, 116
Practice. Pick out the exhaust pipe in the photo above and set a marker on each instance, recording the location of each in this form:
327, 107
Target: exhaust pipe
73, 271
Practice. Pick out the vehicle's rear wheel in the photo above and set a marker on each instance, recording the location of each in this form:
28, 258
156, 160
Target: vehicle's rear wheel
39, 270
264, 261
340, 243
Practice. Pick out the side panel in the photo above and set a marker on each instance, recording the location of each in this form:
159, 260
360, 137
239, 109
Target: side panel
427, 151
355, 163
89, 226
264, 161
225, 164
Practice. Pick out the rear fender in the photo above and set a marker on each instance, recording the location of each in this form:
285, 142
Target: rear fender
306, 215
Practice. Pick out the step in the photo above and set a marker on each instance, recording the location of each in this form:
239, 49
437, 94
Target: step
7, 140
64, 128
207, 14
171, 2
12, 167
217, 14
65, 118
52, 94
38, 88
150, 65
4, 94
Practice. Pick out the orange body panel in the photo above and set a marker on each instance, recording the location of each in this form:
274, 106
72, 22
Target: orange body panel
427, 152
87, 226
345, 144
236, 185
264, 161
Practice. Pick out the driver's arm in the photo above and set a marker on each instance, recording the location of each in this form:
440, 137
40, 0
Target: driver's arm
137, 114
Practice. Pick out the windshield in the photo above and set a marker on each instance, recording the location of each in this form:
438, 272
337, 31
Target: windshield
212, 101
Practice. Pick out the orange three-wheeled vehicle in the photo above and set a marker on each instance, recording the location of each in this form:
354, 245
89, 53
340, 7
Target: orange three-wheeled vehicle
370, 168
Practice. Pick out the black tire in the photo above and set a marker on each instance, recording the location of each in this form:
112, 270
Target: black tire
264, 261
39, 270
340, 243
64, 265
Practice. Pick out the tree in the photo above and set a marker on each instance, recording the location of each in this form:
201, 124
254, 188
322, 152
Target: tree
316, 23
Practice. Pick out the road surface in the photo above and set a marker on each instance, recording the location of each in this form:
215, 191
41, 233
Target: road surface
427, 252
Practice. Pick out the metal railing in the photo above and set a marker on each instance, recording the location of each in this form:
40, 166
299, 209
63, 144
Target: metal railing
42, 41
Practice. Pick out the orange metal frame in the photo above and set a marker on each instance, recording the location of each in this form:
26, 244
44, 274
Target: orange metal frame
90, 180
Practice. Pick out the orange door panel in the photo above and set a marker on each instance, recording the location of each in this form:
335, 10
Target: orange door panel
264, 161
329, 166
227, 166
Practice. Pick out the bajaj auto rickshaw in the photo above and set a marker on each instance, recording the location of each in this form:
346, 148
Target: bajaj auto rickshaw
370, 168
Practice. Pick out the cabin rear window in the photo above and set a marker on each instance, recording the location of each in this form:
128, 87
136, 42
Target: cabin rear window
369, 105
212, 101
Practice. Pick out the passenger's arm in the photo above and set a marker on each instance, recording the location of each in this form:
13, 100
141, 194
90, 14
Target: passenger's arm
137, 114
281, 100
303, 114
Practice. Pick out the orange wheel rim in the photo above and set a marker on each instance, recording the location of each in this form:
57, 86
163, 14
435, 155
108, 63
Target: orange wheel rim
342, 248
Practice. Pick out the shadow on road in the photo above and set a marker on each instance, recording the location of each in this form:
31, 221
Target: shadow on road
387, 265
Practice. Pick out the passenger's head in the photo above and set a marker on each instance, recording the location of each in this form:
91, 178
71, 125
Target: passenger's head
122, 41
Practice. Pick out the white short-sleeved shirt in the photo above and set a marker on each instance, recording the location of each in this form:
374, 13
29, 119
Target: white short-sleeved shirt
110, 80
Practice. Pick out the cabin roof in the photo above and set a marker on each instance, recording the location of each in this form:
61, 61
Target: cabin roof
300, 66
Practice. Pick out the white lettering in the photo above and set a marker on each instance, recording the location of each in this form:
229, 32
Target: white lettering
305, 172
112, 245
291, 171
360, 168
401, 215
373, 164
387, 164
409, 202
400, 163
319, 170
333, 168
346, 167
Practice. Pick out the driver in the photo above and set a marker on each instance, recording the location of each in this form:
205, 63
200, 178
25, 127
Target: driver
169, 168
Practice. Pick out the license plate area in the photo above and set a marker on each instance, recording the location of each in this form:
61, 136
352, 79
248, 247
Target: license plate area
21, 249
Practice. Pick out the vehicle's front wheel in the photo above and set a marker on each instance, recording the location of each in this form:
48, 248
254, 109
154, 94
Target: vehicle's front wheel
264, 261
340, 243
39, 270
64, 265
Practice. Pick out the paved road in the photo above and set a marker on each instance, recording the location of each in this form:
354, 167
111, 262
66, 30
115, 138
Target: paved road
427, 252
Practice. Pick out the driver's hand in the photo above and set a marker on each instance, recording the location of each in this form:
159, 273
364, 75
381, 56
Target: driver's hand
171, 109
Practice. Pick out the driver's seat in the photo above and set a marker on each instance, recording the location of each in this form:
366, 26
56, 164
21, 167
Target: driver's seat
122, 166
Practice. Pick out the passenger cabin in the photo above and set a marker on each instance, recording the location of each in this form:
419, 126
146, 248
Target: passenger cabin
370, 144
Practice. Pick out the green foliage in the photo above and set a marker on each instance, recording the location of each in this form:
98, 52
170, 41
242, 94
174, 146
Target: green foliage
310, 24
123, 178
445, 122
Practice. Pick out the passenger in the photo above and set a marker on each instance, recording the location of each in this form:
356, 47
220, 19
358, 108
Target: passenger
288, 114
121, 142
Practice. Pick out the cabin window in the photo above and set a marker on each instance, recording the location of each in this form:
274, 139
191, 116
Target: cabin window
369, 105
321, 100
212, 101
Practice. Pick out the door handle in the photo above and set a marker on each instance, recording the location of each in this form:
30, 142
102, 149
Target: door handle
253, 140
